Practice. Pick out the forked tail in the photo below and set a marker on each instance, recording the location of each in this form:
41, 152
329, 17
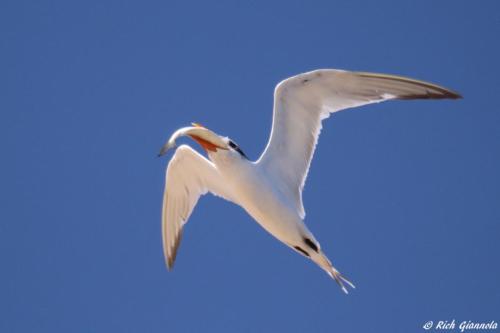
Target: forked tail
324, 263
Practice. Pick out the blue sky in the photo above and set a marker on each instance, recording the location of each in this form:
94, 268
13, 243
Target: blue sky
403, 196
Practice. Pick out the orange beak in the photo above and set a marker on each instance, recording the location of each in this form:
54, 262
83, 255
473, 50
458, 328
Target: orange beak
197, 125
208, 146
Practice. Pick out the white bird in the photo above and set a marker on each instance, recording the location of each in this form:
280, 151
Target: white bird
270, 189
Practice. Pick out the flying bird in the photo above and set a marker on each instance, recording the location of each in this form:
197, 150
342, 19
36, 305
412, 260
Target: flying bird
270, 189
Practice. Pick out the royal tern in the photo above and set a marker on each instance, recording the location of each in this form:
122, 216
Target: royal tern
270, 189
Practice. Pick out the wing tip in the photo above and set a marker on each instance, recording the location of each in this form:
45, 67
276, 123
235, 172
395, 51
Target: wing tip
433, 91
170, 263
171, 253
454, 95
443, 94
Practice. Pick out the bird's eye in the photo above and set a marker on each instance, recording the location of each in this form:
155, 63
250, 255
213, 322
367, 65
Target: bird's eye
232, 144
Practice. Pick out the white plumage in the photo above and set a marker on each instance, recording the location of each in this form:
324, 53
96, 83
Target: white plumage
270, 189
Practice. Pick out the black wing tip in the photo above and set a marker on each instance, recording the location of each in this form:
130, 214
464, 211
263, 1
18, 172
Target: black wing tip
172, 254
454, 95
170, 264
447, 94
434, 91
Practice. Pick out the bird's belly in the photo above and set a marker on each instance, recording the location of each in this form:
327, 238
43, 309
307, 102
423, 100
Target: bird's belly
269, 209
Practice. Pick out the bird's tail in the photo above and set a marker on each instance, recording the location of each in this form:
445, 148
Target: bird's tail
324, 263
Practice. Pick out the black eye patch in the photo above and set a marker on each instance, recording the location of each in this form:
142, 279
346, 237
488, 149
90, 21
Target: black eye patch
235, 147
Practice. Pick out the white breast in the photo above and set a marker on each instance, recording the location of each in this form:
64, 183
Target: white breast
256, 193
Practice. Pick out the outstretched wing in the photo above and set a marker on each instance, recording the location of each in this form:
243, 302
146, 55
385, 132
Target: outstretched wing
189, 175
303, 101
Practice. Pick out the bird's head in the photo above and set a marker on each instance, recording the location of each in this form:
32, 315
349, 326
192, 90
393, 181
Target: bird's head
207, 139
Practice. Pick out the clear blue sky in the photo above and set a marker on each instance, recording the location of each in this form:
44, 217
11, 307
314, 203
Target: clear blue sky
403, 196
